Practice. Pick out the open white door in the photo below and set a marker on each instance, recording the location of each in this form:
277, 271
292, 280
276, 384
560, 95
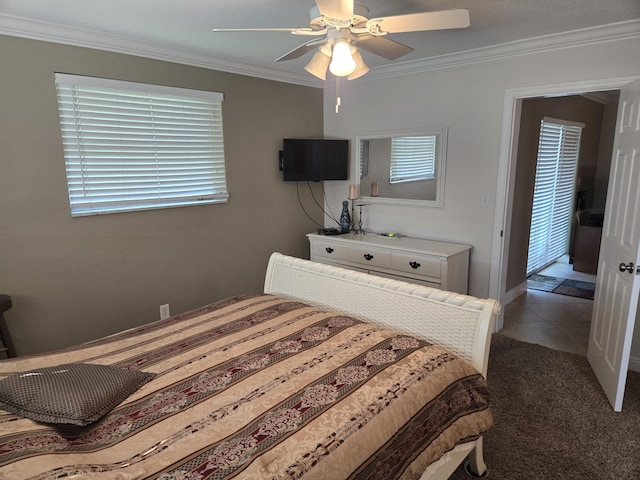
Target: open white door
618, 286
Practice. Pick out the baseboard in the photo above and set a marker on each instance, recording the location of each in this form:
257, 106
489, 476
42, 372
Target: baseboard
514, 293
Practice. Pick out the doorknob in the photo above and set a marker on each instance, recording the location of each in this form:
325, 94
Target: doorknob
628, 268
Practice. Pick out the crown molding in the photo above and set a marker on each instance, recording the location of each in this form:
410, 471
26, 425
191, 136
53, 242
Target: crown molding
559, 41
51, 32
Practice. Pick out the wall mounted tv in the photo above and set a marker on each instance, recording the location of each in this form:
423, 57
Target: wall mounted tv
314, 160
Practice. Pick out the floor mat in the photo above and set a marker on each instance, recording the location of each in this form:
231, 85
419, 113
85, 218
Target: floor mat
562, 286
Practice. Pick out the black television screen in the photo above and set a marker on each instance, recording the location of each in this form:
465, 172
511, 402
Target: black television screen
315, 160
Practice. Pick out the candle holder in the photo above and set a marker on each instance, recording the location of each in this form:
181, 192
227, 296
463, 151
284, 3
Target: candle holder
358, 230
353, 196
353, 218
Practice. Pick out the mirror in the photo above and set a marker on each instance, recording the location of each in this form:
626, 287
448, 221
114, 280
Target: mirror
403, 168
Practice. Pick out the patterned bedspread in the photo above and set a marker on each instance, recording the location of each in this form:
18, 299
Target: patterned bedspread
256, 387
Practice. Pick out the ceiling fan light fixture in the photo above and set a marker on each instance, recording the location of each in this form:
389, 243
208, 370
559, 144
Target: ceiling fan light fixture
326, 49
318, 65
342, 62
344, 27
361, 67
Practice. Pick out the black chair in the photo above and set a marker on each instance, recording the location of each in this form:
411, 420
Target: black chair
5, 336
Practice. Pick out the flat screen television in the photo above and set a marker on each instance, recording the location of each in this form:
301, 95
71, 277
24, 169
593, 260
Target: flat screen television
314, 160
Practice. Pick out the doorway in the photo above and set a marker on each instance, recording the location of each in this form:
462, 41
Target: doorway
512, 219
616, 296
558, 321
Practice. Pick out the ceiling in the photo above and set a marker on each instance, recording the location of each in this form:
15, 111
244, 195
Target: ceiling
180, 30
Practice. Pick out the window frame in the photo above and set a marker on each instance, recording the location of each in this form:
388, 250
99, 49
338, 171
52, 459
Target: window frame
554, 191
132, 146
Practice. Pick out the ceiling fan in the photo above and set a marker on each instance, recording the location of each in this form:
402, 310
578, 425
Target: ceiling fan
341, 27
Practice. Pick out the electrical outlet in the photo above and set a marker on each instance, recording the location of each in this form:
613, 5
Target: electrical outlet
164, 311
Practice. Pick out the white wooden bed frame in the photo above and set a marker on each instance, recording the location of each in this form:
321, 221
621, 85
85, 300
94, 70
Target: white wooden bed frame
461, 323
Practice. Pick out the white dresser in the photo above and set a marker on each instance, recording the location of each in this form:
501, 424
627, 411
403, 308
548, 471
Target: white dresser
441, 265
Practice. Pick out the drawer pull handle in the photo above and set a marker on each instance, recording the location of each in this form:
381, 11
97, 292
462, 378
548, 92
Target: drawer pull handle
329, 250
368, 256
414, 264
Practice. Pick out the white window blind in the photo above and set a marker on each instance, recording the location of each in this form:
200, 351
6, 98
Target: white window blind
558, 150
412, 158
364, 158
131, 146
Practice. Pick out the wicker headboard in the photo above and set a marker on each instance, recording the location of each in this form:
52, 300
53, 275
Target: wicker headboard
461, 323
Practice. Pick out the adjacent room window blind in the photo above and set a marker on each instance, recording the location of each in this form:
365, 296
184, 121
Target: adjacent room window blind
412, 158
553, 198
131, 146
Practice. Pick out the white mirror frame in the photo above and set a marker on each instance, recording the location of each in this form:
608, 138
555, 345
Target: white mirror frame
441, 133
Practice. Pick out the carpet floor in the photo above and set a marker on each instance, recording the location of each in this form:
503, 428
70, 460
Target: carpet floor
562, 286
552, 420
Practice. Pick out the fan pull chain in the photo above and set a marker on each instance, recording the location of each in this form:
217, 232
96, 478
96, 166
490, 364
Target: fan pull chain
338, 100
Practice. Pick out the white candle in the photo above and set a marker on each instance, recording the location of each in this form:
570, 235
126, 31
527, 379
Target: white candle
353, 192
374, 189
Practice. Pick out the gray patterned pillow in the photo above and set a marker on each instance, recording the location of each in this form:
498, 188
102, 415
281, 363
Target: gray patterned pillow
75, 393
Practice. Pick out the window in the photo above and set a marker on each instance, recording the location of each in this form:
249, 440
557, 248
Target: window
131, 146
412, 158
558, 149
364, 158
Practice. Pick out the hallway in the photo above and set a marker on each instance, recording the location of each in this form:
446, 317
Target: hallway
555, 321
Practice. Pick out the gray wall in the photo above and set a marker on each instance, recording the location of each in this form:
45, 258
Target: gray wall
76, 279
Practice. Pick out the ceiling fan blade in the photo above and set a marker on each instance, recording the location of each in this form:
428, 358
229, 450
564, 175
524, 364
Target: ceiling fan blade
417, 22
295, 31
383, 46
338, 9
300, 50
283, 29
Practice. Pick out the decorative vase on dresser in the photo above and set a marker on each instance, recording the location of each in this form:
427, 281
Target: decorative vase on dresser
432, 263
345, 218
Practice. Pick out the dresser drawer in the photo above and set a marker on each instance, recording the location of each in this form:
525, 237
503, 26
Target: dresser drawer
417, 264
370, 257
329, 250
437, 264
392, 276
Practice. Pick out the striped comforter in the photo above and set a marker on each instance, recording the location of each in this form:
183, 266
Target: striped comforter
257, 387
